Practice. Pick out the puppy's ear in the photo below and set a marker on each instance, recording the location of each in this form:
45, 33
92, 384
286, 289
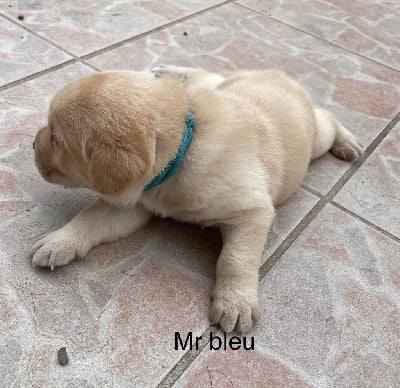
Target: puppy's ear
111, 168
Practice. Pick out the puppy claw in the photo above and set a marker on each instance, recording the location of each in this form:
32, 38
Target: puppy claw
234, 313
349, 149
56, 249
36, 246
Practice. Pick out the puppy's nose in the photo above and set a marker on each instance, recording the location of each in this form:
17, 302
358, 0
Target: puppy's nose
33, 145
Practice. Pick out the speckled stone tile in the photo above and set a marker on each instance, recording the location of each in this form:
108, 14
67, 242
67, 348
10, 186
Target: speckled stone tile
233, 38
186, 247
111, 309
331, 304
366, 27
286, 219
154, 303
85, 26
331, 315
374, 190
239, 368
23, 108
23, 54
130, 339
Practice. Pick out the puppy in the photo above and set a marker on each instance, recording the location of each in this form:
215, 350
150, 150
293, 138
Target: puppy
243, 150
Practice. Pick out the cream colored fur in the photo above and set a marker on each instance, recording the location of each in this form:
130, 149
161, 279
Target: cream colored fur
255, 135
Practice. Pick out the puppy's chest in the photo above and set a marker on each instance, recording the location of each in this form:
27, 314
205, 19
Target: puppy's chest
182, 207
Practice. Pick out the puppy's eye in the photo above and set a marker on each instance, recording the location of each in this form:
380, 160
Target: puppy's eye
54, 140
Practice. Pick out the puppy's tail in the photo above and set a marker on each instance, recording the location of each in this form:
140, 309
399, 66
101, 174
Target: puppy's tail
333, 136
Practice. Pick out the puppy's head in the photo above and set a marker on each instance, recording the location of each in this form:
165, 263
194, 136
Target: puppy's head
99, 134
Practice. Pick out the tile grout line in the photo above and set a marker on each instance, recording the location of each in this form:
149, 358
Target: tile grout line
74, 58
316, 37
34, 33
153, 30
368, 151
291, 238
351, 213
282, 248
84, 58
365, 221
37, 74
312, 191
188, 358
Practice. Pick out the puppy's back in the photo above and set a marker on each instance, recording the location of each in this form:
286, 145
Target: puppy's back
290, 120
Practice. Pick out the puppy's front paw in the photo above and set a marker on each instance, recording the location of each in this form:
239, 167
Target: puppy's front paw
232, 310
55, 249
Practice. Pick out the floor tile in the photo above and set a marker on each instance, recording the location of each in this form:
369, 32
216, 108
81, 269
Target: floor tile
23, 108
232, 38
23, 54
286, 219
131, 339
331, 304
113, 309
238, 368
374, 190
367, 27
153, 304
82, 27
188, 248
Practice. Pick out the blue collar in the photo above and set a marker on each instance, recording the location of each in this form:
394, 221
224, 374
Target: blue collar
173, 164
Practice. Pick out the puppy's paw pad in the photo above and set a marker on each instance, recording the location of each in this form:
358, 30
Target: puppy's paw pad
349, 149
234, 313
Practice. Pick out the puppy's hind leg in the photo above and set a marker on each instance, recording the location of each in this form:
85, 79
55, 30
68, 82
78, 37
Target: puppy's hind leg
333, 136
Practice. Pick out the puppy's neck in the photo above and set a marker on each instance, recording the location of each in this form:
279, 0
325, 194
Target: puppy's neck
169, 115
169, 106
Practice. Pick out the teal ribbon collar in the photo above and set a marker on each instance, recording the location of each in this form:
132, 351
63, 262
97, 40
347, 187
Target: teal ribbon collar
173, 164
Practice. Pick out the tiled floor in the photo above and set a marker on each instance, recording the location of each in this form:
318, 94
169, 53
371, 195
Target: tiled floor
330, 279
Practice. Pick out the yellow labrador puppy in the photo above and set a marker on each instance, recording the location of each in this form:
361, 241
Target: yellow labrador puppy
188, 144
